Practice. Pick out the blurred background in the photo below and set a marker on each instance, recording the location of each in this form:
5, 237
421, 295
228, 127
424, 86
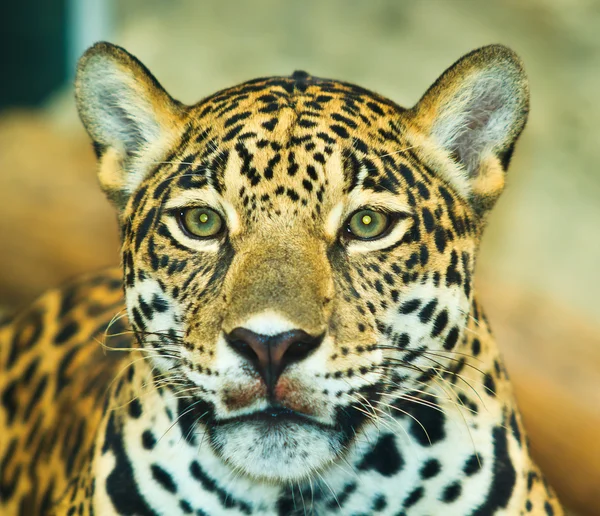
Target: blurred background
539, 267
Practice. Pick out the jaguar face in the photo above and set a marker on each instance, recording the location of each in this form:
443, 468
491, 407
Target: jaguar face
298, 253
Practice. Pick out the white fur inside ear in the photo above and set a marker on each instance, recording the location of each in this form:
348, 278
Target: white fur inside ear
113, 108
478, 119
131, 119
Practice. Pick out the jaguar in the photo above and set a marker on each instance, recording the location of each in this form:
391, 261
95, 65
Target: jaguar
294, 328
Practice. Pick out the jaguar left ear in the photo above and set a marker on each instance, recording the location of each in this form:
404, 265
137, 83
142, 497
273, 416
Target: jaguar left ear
471, 118
129, 116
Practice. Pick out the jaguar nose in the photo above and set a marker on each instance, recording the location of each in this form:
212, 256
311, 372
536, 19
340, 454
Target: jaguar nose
271, 354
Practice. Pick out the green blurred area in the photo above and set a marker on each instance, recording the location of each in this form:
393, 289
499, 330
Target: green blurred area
33, 39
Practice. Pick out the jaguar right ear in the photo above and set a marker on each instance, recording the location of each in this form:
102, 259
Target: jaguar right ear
131, 119
467, 123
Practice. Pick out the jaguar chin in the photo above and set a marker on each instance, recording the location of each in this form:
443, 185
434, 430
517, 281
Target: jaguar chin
276, 445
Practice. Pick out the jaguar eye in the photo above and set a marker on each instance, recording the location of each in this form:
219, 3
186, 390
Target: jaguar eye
368, 224
201, 222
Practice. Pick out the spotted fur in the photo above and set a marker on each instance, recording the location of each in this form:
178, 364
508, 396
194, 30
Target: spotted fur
143, 405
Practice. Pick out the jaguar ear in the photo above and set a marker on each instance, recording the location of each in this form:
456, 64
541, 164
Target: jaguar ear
129, 116
471, 118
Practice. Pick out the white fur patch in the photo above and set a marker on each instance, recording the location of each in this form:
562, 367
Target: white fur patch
283, 452
160, 323
268, 323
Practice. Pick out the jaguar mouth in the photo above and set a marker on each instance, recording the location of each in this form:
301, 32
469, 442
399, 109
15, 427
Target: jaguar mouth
273, 416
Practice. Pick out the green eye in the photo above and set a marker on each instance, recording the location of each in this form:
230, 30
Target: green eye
201, 222
368, 224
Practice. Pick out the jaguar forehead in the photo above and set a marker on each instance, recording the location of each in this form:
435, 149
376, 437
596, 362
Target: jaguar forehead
247, 148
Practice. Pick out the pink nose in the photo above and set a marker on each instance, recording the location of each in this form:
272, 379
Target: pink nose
271, 354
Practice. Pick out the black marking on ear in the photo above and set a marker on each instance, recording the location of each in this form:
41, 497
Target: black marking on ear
99, 149
506, 155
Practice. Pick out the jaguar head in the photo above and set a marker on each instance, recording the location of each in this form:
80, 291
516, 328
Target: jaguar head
298, 252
